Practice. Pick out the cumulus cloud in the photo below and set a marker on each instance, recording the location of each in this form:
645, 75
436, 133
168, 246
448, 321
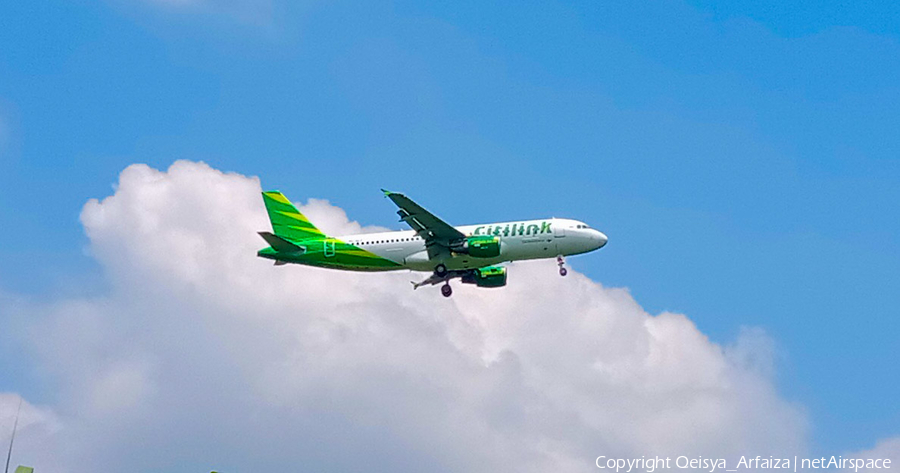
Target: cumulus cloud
203, 356
884, 449
36, 435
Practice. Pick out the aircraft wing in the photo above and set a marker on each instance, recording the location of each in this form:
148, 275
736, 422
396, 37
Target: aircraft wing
427, 225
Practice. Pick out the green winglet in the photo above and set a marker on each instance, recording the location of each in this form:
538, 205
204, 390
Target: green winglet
387, 193
24, 469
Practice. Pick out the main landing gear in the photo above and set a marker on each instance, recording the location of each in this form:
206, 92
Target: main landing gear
442, 275
561, 262
440, 272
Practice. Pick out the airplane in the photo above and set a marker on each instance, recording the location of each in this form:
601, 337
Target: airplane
472, 253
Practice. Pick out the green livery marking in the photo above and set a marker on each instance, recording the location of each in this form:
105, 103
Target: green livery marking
315, 248
287, 221
519, 229
331, 253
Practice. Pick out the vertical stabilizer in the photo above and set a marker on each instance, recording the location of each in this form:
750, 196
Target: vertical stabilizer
287, 221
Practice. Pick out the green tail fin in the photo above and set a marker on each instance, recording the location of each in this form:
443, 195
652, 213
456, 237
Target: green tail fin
24, 469
287, 221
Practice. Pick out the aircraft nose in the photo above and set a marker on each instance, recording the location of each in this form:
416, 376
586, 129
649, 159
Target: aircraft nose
600, 238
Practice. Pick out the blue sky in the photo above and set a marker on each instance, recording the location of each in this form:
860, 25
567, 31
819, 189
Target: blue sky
742, 158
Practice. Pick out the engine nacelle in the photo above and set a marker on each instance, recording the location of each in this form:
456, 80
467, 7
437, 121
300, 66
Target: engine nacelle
490, 276
485, 246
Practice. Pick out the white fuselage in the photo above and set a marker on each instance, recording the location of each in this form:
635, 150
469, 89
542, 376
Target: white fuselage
520, 240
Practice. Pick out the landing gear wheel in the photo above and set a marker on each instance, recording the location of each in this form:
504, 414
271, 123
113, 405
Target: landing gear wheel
440, 270
446, 290
560, 261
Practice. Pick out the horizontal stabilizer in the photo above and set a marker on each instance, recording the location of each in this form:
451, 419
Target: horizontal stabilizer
280, 244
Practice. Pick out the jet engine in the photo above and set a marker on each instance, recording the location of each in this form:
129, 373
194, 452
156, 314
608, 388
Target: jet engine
484, 246
490, 276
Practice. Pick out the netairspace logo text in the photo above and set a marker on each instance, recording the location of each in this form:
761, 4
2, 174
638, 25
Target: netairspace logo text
649, 465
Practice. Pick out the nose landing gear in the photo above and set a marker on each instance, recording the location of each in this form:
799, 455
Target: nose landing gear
561, 262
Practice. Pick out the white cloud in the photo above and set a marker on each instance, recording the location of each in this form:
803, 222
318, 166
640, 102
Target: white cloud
36, 435
884, 449
205, 356
29, 415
